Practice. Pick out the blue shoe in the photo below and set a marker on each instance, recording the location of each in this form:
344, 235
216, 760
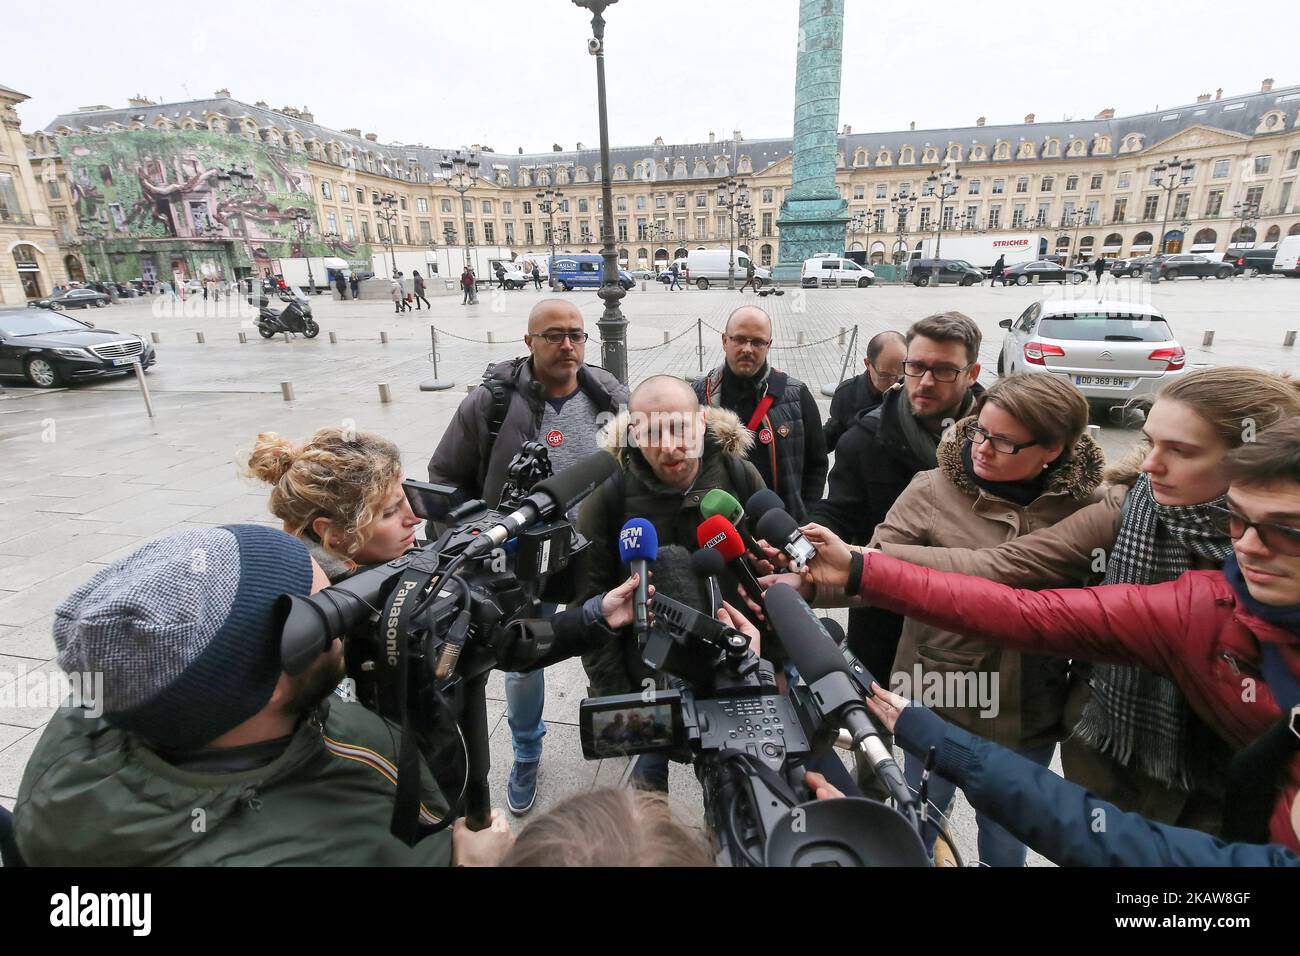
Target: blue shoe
521, 788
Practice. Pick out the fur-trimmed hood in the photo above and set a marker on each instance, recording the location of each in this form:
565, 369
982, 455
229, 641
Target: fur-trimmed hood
723, 430
1077, 477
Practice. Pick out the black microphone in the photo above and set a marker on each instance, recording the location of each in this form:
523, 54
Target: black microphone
823, 670
708, 565
719, 534
761, 502
558, 494
780, 530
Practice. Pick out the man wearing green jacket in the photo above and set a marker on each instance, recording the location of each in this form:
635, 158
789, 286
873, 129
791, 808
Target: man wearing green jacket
206, 752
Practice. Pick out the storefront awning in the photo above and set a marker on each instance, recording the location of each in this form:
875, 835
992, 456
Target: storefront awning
1203, 247
334, 262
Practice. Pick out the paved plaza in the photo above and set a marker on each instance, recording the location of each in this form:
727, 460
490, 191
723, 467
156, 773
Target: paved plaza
88, 477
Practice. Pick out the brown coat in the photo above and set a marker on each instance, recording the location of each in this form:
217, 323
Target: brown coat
943, 508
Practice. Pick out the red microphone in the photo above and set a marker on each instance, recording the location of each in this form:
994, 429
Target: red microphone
720, 535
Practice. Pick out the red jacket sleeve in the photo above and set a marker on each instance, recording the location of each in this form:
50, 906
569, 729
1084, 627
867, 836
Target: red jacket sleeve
1116, 623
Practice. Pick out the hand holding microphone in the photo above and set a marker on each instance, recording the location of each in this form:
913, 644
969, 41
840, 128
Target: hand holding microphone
779, 529
638, 544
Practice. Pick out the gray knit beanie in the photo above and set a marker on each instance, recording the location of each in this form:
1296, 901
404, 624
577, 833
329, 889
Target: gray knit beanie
182, 630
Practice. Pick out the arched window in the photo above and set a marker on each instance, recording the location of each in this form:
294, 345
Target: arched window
1101, 145
883, 157
1243, 236
580, 174
1142, 239
1077, 148
1274, 234
765, 254
1062, 242
1026, 150
543, 177
977, 153
562, 176
1053, 148
620, 172
859, 157
930, 155
1205, 237
1113, 241
906, 155
622, 256
1294, 230
642, 254
1002, 151
661, 255
638, 171
954, 153
1085, 244
743, 164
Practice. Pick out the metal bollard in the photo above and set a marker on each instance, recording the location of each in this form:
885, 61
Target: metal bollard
667, 336
491, 339
199, 337
334, 338
144, 389
155, 337
286, 391
1094, 432
799, 340
1288, 340
243, 338
1208, 339
385, 397
843, 332
383, 338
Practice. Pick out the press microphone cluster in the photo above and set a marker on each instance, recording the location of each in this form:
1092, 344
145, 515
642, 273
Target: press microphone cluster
638, 546
553, 497
774, 525
719, 534
824, 670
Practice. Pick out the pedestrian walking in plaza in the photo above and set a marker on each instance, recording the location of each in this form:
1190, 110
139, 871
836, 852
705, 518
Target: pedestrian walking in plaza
340, 286
996, 273
537, 277
355, 283
399, 297
1099, 267
749, 277
501, 275
419, 289
467, 285
406, 299
676, 274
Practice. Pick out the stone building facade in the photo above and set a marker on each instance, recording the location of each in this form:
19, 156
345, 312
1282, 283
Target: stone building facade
31, 263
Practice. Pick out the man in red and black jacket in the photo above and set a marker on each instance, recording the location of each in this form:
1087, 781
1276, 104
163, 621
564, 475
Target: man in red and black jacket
789, 447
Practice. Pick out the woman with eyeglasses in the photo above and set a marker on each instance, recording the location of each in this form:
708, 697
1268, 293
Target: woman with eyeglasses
1021, 463
1135, 741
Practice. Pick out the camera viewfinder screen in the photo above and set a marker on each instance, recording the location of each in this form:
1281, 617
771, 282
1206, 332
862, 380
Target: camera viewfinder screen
632, 729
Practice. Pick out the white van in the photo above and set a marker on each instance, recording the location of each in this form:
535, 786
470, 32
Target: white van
710, 265
831, 270
1287, 260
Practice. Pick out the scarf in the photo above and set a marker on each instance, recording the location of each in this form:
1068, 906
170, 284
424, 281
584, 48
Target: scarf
1134, 716
1023, 493
923, 443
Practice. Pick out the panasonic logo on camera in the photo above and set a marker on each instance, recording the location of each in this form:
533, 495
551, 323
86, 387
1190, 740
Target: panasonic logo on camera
390, 635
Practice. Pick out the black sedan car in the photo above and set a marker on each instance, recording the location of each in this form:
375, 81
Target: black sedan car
1178, 266
49, 349
1129, 267
1043, 270
73, 299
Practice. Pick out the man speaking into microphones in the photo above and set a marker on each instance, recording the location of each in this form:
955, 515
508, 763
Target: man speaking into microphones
671, 454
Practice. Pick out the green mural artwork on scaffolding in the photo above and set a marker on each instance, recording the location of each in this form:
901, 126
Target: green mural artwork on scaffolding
813, 215
164, 190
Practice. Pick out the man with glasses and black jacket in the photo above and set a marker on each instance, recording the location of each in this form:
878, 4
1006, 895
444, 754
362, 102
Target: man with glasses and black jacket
552, 397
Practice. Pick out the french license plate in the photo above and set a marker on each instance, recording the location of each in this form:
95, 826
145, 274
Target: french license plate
123, 361
1111, 381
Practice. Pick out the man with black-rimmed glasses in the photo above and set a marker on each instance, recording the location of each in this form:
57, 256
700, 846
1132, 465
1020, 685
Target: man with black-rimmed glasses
562, 401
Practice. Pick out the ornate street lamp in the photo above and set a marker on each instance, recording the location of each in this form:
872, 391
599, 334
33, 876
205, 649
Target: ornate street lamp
945, 184
460, 170
901, 205
548, 203
1171, 174
387, 214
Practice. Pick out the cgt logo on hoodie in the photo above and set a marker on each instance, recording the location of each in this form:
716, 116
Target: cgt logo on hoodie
134, 910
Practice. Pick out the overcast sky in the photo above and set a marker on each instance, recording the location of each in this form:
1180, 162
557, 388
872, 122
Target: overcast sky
511, 73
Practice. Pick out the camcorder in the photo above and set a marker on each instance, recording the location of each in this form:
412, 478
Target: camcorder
422, 632
722, 712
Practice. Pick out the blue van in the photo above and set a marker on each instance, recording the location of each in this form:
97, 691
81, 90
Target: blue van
583, 270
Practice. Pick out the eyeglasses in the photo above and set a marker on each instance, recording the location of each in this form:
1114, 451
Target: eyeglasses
1276, 537
556, 337
740, 341
941, 373
978, 436
890, 373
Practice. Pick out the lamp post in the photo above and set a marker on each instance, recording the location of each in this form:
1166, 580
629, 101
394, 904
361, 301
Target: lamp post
945, 184
1247, 213
856, 227
1171, 174
736, 206
612, 325
387, 213
460, 170
238, 177
302, 224
901, 205
548, 203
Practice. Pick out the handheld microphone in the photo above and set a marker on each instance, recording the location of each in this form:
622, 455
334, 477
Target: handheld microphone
833, 690
718, 502
719, 534
707, 565
777, 528
556, 495
761, 502
638, 543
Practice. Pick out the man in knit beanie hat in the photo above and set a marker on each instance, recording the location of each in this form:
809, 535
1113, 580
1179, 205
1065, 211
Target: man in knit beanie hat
207, 752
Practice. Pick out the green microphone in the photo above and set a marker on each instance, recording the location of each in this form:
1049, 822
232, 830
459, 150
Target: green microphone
718, 502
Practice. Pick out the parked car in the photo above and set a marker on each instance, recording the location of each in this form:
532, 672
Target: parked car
1113, 351
49, 349
1287, 260
639, 274
1250, 261
1129, 267
582, 271
943, 272
73, 299
1180, 266
1023, 273
832, 270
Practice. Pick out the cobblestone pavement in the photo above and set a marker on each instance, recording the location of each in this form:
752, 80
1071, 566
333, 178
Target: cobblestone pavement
87, 477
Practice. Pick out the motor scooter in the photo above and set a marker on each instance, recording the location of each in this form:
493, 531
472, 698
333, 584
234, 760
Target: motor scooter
295, 318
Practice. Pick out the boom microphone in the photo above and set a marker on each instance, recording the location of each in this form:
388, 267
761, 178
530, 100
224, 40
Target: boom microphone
638, 543
778, 529
554, 496
824, 671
